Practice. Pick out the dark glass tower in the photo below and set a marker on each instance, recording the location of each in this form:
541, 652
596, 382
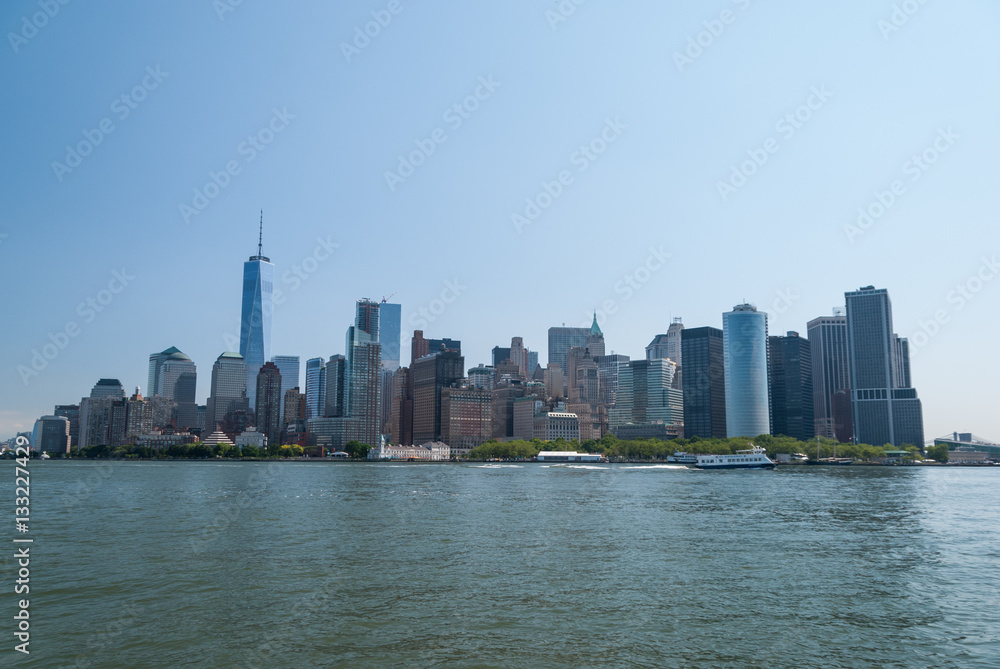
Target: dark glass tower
705, 383
791, 381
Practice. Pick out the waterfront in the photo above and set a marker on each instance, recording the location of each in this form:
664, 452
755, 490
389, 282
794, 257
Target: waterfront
166, 564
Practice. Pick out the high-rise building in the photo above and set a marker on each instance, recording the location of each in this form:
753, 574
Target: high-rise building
668, 345
52, 434
466, 417
72, 413
390, 334
830, 370
363, 372
430, 374
482, 377
419, 347
884, 410
791, 381
156, 361
595, 340
177, 380
562, 339
518, 356
435, 345
555, 381
255, 322
334, 387
500, 354
288, 365
267, 411
744, 343
645, 394
315, 397
607, 373
532, 361
96, 412
229, 390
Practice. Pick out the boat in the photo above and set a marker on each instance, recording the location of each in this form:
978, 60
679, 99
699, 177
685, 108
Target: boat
754, 457
829, 461
683, 458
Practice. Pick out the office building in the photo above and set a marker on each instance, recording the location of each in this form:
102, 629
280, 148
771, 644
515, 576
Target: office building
500, 354
288, 366
519, 357
255, 319
52, 434
96, 410
363, 372
562, 339
885, 409
830, 371
431, 374
466, 417
334, 387
390, 334
645, 394
268, 408
315, 387
744, 344
791, 381
71, 412
177, 380
228, 393
607, 375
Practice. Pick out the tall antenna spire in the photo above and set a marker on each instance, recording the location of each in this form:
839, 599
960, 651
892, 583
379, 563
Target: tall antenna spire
260, 235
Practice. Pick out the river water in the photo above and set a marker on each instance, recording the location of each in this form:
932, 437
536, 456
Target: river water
223, 564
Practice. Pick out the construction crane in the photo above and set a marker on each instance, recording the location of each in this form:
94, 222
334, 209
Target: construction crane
386, 299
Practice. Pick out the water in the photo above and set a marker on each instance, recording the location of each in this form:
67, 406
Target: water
414, 565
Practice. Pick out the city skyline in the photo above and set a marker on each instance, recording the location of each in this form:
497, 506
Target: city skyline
641, 235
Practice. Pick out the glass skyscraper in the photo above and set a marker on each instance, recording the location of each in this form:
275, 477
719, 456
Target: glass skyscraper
229, 389
255, 323
288, 365
705, 386
314, 369
830, 369
562, 339
390, 334
744, 351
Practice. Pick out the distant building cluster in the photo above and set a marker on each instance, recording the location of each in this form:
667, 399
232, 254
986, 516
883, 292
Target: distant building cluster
849, 379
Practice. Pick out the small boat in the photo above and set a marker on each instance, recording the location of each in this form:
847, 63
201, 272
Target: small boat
683, 458
754, 457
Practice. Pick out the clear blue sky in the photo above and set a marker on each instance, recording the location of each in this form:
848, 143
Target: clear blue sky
676, 129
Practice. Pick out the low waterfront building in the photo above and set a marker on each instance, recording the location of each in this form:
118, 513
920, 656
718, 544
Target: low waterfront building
568, 456
159, 441
217, 437
434, 450
251, 437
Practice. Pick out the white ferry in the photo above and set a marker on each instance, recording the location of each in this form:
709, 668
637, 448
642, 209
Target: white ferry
683, 458
754, 457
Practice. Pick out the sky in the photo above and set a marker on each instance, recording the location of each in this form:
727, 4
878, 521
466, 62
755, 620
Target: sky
500, 167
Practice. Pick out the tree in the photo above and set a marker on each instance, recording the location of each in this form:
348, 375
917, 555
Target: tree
356, 449
938, 452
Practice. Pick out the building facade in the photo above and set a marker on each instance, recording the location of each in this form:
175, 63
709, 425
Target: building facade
791, 381
228, 392
744, 344
255, 319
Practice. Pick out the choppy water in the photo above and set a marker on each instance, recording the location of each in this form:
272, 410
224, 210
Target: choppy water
410, 565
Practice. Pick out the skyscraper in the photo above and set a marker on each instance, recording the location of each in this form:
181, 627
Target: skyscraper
645, 394
177, 380
607, 373
705, 386
791, 381
229, 390
268, 408
334, 383
518, 356
830, 369
96, 412
314, 399
595, 339
885, 409
389, 334
72, 413
363, 372
52, 434
561, 339
255, 323
744, 344
430, 374
288, 365
156, 361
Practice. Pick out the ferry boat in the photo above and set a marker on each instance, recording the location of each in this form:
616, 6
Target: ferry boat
754, 457
683, 458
